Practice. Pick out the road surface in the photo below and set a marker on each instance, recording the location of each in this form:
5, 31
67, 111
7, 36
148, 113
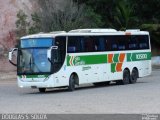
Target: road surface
142, 97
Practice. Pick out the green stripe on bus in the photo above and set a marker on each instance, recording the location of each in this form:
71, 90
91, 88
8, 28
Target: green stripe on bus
113, 67
116, 58
129, 56
100, 59
86, 60
139, 56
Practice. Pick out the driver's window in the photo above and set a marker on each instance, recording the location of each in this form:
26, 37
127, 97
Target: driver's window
60, 53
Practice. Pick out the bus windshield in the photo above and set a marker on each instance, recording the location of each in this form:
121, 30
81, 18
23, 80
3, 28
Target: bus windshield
32, 58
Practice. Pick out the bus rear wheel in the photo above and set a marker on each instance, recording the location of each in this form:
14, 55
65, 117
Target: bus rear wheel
71, 86
42, 90
134, 76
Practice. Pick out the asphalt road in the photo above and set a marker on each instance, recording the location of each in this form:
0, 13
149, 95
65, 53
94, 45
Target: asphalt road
142, 97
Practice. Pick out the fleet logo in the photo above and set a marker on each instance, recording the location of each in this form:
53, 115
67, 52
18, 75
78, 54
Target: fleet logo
76, 61
141, 56
116, 61
71, 61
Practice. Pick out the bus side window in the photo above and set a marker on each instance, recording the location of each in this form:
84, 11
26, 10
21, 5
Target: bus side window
89, 44
72, 44
100, 44
121, 43
143, 42
133, 43
114, 43
108, 43
71, 49
75, 44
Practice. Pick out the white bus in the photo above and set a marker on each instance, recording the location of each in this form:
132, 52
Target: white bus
69, 59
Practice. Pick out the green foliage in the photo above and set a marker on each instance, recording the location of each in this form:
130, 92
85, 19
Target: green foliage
36, 24
70, 16
124, 16
91, 19
147, 11
21, 24
24, 27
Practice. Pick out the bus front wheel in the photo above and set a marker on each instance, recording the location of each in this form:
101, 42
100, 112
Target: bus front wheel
71, 86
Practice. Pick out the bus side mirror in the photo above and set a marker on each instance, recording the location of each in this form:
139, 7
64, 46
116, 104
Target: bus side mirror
10, 56
50, 51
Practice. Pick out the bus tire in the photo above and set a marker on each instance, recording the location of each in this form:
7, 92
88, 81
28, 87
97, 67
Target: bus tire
126, 78
71, 86
134, 76
42, 90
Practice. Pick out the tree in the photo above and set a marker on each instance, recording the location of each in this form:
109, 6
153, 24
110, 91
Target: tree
147, 11
21, 24
105, 8
35, 26
124, 17
69, 16
65, 17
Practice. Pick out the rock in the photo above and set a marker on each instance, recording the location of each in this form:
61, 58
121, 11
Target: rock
1, 50
8, 17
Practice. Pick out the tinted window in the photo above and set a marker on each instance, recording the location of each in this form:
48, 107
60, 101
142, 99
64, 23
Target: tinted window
107, 43
133, 43
100, 43
143, 42
114, 43
122, 42
36, 42
86, 44
60, 53
75, 44
89, 44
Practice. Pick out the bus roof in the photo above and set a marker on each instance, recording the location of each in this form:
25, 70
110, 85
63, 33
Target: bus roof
87, 32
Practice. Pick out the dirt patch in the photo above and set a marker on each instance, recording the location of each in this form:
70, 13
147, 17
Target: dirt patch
7, 76
7, 71
5, 66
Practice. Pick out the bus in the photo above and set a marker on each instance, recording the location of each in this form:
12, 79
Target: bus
82, 56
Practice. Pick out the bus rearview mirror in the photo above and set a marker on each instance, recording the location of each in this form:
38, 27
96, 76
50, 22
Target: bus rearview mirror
49, 52
11, 55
